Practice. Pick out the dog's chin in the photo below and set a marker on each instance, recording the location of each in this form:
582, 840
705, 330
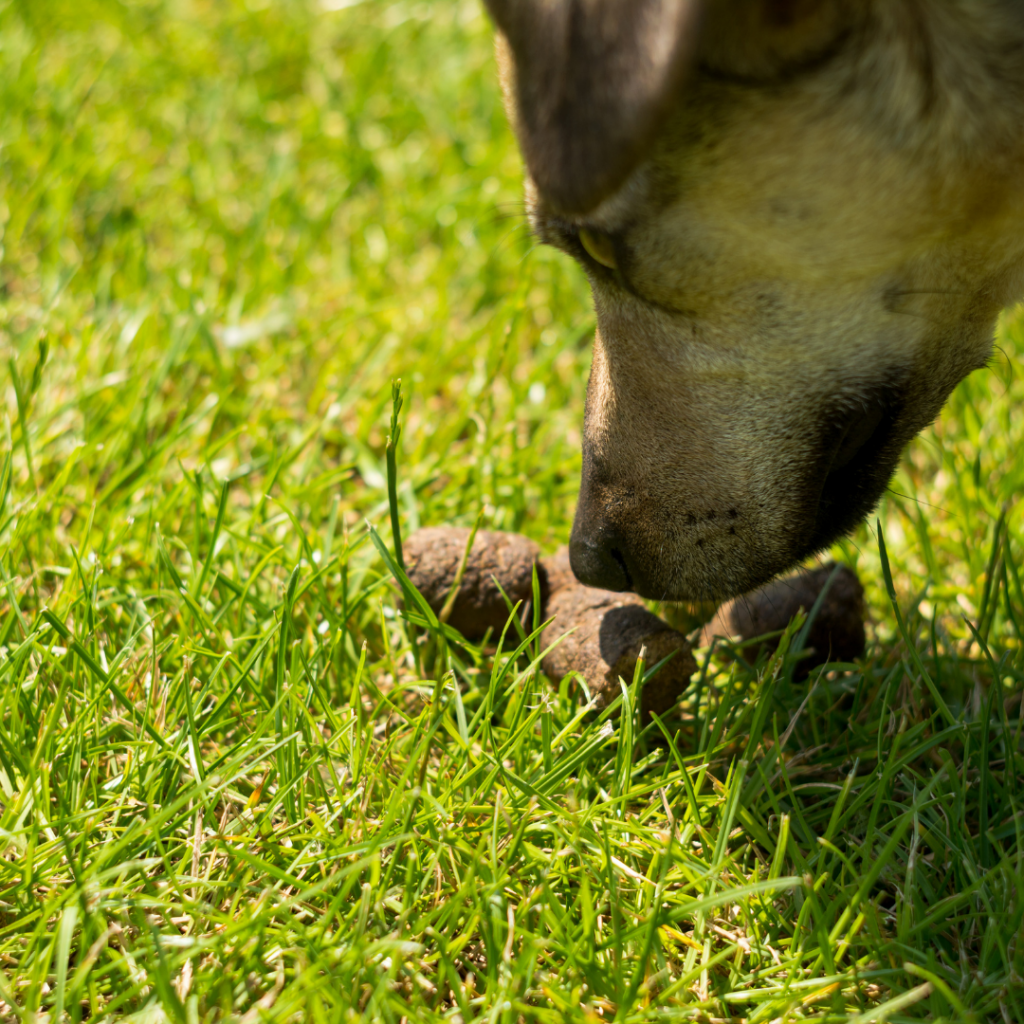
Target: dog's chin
695, 580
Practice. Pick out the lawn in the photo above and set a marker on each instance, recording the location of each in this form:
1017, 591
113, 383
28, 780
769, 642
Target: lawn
237, 780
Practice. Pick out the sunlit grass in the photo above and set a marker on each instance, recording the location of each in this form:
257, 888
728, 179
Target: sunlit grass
235, 782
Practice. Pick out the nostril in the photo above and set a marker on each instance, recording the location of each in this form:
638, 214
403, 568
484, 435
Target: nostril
599, 564
619, 558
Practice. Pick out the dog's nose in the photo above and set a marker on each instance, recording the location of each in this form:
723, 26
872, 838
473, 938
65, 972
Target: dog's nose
598, 561
597, 551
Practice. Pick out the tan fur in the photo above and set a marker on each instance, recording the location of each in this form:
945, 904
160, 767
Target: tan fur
832, 215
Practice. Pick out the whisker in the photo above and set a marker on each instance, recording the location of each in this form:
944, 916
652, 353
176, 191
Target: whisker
921, 501
513, 237
1005, 379
500, 217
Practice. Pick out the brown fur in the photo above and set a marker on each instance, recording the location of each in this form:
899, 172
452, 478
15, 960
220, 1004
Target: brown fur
813, 239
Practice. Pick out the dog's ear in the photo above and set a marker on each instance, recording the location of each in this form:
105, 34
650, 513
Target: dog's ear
591, 84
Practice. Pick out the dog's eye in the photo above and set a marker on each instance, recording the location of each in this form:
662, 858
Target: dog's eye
599, 247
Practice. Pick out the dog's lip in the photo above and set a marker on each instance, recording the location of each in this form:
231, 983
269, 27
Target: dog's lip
860, 459
858, 433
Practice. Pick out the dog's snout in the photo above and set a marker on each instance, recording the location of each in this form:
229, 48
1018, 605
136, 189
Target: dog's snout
597, 561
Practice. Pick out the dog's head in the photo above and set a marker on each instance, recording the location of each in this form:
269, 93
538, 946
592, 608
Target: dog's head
800, 219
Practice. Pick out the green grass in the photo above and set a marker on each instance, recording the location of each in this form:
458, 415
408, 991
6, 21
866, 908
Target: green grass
236, 781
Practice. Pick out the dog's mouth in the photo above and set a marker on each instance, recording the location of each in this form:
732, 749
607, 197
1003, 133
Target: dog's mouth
861, 452
858, 433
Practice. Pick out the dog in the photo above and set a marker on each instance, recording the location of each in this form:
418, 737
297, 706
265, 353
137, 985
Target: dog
800, 220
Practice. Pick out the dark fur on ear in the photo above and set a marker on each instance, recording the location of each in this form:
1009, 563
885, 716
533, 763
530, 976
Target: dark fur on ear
594, 80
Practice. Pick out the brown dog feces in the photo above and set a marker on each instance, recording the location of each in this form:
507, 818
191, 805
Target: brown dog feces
432, 559
609, 631
837, 633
